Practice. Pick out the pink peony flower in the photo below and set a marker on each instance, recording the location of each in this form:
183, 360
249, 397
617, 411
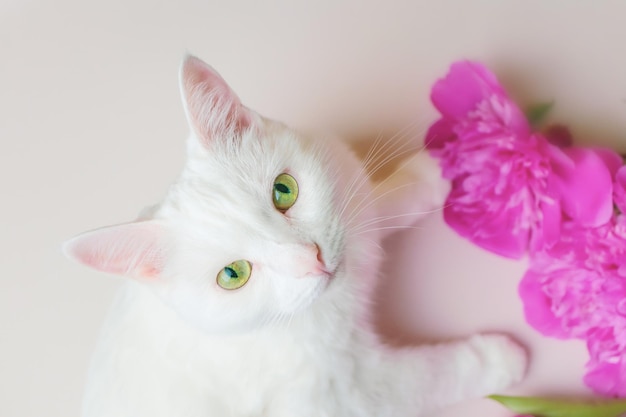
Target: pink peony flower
577, 289
576, 284
606, 370
559, 135
511, 188
619, 189
515, 190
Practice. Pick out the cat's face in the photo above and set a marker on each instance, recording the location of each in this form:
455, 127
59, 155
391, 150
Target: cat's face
225, 209
258, 226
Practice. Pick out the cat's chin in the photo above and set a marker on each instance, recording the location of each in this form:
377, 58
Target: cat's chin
295, 303
325, 282
326, 277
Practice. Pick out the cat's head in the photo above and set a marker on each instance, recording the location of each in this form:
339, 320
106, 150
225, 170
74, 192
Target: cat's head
261, 223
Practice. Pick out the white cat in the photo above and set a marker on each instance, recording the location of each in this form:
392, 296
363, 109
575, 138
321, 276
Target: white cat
252, 281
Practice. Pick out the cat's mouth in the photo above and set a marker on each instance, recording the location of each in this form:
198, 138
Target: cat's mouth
332, 272
323, 273
328, 275
329, 271
332, 257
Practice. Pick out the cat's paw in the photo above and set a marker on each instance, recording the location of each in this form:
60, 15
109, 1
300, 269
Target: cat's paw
414, 190
427, 174
505, 361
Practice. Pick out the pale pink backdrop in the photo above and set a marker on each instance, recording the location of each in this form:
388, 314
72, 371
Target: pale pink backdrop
92, 130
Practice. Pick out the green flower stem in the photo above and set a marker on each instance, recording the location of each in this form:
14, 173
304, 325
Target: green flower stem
543, 407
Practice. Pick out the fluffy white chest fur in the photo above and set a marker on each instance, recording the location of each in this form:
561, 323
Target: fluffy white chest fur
253, 278
152, 363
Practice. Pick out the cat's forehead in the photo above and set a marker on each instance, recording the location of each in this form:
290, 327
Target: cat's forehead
233, 182
250, 165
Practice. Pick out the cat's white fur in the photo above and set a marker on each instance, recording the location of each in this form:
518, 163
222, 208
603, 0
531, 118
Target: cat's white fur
296, 339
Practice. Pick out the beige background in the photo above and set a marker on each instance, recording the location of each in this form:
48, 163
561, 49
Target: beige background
92, 130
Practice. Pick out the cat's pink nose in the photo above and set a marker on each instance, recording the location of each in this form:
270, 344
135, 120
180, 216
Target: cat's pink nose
320, 258
317, 265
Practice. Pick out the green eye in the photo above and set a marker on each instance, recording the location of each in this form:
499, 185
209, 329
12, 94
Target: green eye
234, 275
285, 192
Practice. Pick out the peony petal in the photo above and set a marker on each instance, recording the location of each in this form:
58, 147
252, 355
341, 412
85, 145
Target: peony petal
619, 193
585, 187
538, 307
551, 227
559, 135
439, 133
604, 378
612, 159
466, 84
495, 236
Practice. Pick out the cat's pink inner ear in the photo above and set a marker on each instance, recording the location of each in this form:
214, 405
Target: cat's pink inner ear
213, 109
137, 250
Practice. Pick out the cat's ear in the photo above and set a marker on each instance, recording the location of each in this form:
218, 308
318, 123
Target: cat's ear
213, 110
138, 250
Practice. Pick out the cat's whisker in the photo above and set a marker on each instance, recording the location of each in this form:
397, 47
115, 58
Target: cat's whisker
375, 200
363, 181
397, 138
373, 153
381, 183
388, 228
382, 218
384, 162
396, 154
398, 216
400, 152
348, 194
